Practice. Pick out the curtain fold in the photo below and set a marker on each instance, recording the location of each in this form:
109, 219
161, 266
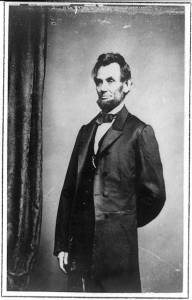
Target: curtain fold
27, 54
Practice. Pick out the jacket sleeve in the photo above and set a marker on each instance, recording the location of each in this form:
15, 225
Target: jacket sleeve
66, 200
150, 185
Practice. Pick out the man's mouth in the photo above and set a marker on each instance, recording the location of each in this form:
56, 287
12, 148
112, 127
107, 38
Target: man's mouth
105, 98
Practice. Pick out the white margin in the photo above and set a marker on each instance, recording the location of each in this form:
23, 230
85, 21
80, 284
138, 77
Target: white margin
186, 153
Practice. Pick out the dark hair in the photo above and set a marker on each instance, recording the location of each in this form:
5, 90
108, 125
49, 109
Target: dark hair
108, 58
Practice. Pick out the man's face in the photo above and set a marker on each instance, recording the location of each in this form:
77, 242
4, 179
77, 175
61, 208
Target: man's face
110, 89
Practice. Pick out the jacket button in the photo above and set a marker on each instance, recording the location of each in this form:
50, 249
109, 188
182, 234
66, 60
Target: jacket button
105, 194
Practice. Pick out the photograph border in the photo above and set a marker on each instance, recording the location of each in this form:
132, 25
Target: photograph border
187, 292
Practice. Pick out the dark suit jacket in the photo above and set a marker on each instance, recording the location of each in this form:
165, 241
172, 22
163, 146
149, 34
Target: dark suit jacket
129, 179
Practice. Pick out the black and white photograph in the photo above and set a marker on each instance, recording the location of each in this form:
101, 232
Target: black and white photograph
96, 150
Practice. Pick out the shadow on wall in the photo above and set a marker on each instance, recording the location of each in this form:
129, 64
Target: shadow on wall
153, 45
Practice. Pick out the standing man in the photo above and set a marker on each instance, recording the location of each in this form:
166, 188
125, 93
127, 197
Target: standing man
114, 184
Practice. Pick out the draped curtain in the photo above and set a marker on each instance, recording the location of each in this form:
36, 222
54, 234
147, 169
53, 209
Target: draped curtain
27, 49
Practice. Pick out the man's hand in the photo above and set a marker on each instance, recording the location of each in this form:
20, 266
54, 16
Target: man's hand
63, 261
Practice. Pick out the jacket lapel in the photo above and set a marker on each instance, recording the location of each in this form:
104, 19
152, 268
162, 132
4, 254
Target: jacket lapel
115, 130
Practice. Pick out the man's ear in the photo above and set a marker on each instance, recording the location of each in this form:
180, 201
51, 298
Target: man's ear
127, 86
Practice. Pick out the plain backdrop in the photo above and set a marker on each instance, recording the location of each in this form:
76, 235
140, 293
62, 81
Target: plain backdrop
152, 42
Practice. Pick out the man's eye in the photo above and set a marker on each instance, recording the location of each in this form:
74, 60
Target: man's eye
97, 82
110, 80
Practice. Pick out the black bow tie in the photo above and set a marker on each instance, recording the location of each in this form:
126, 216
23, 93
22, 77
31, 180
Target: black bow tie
105, 118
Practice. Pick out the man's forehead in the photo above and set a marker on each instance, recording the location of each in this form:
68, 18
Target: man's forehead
111, 70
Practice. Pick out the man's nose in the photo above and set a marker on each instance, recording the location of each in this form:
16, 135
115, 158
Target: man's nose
104, 87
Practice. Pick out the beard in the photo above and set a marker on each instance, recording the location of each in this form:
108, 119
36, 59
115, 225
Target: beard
108, 100
108, 105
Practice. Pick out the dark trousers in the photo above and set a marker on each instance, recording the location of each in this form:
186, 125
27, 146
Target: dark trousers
113, 265
112, 284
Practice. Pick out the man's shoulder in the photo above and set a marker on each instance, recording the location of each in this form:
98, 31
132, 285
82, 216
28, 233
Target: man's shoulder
86, 127
134, 122
91, 122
